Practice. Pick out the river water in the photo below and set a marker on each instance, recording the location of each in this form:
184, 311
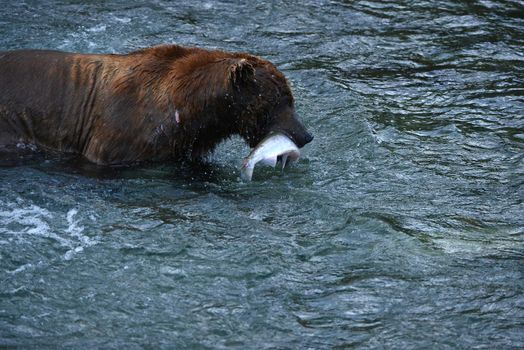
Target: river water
401, 227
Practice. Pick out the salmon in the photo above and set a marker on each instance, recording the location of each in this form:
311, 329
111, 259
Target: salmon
275, 147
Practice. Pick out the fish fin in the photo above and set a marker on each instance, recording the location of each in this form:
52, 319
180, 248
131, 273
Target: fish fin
284, 161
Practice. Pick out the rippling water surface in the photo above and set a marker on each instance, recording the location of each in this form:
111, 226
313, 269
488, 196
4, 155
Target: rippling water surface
401, 227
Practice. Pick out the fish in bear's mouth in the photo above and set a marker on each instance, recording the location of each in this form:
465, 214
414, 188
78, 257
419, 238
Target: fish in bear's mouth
275, 147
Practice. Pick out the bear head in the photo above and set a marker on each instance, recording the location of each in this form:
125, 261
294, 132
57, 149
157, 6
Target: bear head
235, 93
264, 102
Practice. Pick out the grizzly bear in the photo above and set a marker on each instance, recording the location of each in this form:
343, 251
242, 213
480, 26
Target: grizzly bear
156, 104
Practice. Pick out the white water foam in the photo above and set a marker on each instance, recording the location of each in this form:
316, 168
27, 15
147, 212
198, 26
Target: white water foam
75, 230
20, 222
21, 268
98, 28
33, 219
121, 19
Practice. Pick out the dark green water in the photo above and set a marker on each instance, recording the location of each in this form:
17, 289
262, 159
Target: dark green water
402, 226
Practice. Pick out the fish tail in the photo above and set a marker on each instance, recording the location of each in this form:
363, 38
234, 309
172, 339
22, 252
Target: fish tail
246, 172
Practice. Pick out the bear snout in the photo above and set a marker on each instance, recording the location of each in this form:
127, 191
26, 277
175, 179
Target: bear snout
298, 132
302, 139
308, 138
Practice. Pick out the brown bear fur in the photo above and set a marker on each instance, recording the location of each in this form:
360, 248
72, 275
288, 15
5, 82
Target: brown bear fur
160, 103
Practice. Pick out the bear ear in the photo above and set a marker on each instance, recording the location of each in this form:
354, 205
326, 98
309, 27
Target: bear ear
241, 70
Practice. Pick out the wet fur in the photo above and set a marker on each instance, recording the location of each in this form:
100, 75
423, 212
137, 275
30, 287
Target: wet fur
159, 103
